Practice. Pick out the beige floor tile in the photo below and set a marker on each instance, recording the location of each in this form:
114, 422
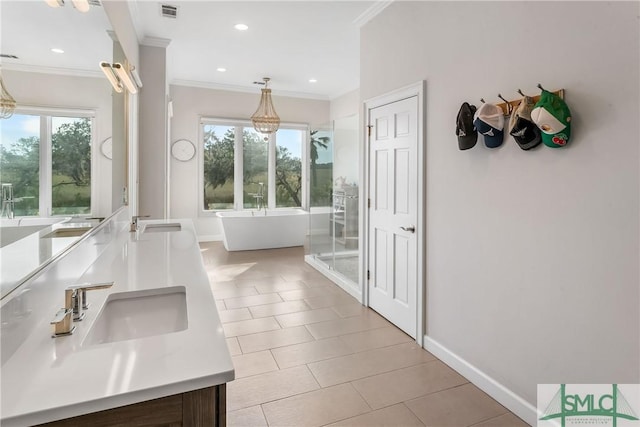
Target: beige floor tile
278, 308
351, 309
392, 416
234, 346
374, 338
233, 292
235, 315
219, 286
274, 339
271, 280
258, 389
313, 351
408, 383
251, 301
364, 364
318, 282
306, 293
349, 325
252, 326
329, 300
227, 272
459, 406
506, 420
284, 286
316, 408
220, 305
305, 275
248, 417
254, 363
306, 317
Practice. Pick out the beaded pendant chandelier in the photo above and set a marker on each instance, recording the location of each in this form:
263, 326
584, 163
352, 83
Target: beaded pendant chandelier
265, 119
7, 103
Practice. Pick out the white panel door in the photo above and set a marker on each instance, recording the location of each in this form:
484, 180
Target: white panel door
393, 212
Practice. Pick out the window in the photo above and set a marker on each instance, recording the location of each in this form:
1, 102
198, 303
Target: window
218, 157
47, 159
243, 169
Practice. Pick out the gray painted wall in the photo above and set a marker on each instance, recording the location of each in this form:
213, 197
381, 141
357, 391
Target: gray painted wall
152, 149
531, 257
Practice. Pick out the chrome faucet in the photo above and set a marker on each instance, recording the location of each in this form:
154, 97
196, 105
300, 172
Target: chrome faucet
8, 202
75, 302
134, 222
259, 196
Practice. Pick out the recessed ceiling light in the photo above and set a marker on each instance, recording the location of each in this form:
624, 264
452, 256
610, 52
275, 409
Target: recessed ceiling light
241, 27
313, 81
56, 50
221, 69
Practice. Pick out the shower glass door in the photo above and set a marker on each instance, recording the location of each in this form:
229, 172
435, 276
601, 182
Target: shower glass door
321, 194
334, 200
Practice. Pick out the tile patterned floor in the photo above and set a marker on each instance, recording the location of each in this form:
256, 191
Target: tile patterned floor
307, 354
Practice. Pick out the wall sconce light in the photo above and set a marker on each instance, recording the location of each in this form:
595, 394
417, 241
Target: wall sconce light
119, 77
80, 5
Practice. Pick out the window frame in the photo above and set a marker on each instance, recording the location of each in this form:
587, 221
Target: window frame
238, 178
45, 203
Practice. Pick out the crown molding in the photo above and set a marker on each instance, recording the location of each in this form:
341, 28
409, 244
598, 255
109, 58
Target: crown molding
371, 12
247, 89
155, 41
52, 70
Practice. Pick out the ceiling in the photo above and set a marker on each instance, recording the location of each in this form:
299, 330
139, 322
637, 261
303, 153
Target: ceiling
289, 41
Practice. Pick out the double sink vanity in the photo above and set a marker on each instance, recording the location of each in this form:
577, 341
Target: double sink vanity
149, 348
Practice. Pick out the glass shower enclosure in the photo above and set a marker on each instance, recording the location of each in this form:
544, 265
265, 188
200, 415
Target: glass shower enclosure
334, 201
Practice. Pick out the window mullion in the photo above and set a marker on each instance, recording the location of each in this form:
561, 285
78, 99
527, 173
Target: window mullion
238, 168
271, 171
45, 166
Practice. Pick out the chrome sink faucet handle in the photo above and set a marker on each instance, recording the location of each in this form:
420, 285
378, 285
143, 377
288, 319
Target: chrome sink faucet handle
134, 222
75, 300
78, 295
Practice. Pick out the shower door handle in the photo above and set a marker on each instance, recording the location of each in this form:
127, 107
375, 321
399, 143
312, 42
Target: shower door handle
412, 229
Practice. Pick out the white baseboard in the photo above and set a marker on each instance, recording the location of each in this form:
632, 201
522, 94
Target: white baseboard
484, 382
336, 278
210, 238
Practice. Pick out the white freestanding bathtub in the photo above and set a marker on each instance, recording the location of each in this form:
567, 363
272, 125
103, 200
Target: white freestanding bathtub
248, 230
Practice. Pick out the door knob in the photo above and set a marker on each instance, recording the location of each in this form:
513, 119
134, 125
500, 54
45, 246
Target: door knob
412, 229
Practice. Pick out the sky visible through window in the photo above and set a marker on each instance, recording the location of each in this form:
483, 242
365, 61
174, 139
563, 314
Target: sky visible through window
19, 126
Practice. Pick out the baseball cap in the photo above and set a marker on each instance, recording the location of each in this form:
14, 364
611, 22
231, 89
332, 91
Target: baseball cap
467, 134
489, 121
551, 114
521, 127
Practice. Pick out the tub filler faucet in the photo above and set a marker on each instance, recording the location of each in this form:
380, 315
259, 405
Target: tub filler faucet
75, 302
259, 196
8, 202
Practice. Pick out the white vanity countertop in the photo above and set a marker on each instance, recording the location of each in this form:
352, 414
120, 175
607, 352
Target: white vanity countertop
20, 258
47, 379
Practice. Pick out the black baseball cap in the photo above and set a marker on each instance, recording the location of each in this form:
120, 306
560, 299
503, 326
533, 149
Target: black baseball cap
466, 132
521, 127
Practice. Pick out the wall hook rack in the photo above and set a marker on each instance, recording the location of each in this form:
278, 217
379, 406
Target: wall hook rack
507, 103
508, 106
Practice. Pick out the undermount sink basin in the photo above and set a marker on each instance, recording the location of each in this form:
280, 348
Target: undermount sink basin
67, 232
140, 314
160, 228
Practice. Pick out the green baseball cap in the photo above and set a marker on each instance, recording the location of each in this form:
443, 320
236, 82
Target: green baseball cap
551, 114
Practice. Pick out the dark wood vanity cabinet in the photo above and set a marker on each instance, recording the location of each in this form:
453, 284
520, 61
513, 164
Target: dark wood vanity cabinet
198, 408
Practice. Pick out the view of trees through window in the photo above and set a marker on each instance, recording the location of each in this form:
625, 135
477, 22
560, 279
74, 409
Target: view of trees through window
23, 137
321, 159
220, 160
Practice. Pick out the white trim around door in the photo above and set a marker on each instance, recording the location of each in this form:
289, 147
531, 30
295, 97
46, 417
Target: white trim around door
418, 90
